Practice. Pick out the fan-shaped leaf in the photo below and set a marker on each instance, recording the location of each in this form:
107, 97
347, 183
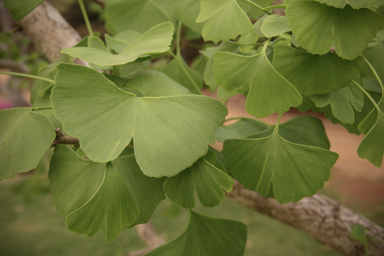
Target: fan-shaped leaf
89, 193
275, 25
252, 10
226, 20
25, 136
241, 129
315, 74
206, 236
105, 119
316, 25
187, 11
374, 55
269, 91
139, 15
208, 180
20, 8
155, 40
342, 102
295, 170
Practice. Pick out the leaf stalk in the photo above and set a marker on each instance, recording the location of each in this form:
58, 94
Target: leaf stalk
28, 76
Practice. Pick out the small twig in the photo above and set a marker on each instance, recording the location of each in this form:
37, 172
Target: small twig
62, 139
149, 236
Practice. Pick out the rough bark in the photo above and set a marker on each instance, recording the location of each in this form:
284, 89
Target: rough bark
323, 218
49, 31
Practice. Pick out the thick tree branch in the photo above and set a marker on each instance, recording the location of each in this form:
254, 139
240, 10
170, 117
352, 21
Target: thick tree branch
62, 139
323, 218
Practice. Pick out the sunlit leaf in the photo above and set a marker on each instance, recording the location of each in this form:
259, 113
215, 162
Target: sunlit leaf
208, 180
316, 25
342, 102
106, 118
89, 194
155, 40
312, 73
295, 170
121, 40
275, 25
20, 8
206, 236
25, 136
269, 91
226, 20
139, 15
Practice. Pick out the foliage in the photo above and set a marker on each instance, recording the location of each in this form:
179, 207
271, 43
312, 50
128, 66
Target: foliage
144, 130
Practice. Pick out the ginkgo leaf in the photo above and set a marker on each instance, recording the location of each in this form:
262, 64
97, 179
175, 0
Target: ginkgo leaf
342, 102
20, 8
226, 20
106, 118
372, 146
25, 136
209, 75
150, 83
312, 73
316, 25
208, 180
252, 10
356, 4
177, 72
206, 236
269, 91
374, 55
187, 11
275, 25
121, 40
295, 170
155, 40
241, 129
89, 194
139, 15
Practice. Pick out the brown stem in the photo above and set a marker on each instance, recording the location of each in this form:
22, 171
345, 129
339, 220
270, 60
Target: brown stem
62, 139
323, 218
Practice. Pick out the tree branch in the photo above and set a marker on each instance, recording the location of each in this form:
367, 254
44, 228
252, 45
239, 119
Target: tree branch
319, 216
148, 235
62, 139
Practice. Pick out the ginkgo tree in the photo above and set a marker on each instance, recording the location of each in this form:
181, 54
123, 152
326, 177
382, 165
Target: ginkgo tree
142, 129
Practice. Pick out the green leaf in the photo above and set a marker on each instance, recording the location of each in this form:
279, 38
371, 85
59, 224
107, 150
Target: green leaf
317, 25
295, 170
206, 236
88, 194
372, 147
155, 40
25, 136
139, 15
275, 25
177, 72
359, 234
356, 4
150, 83
269, 91
315, 74
209, 75
105, 119
187, 11
226, 20
20, 8
241, 129
208, 180
253, 11
121, 40
375, 56
342, 102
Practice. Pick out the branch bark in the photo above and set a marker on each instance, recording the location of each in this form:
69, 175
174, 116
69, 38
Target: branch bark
319, 216
324, 219
62, 139
149, 236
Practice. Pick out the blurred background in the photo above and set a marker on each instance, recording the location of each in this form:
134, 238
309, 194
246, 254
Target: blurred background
30, 224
